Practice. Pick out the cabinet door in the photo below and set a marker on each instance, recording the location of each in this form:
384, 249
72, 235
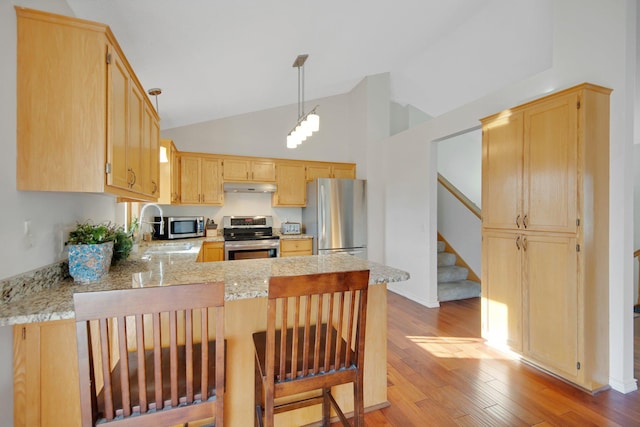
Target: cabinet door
175, 175
550, 167
502, 288
211, 181
236, 170
344, 171
45, 366
135, 140
118, 134
551, 302
291, 185
318, 171
212, 251
61, 101
502, 173
263, 171
190, 179
150, 153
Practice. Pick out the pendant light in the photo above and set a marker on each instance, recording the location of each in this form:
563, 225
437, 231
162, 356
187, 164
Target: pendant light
163, 150
307, 123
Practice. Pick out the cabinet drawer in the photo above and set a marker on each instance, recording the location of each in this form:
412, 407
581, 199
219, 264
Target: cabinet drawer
295, 245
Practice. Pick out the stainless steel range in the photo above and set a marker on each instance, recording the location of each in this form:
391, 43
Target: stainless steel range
249, 237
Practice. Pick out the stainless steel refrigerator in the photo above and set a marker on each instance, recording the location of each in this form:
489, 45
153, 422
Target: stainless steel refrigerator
336, 216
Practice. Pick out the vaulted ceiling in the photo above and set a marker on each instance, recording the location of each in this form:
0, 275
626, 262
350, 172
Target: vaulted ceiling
216, 59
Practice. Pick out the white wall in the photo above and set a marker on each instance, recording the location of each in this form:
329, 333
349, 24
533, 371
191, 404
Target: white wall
461, 228
460, 162
605, 57
264, 133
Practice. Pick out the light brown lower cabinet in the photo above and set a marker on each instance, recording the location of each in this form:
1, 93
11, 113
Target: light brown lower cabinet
211, 252
45, 375
530, 302
295, 247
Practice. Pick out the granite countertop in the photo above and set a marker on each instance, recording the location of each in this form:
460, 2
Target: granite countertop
174, 262
294, 236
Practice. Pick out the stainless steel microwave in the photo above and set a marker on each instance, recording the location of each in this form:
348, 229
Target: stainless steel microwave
179, 227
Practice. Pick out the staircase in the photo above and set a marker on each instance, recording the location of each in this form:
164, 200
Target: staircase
453, 283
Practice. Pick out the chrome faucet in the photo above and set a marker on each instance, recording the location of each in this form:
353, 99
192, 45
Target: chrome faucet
141, 221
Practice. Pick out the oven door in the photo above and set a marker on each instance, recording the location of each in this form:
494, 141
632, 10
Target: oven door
251, 249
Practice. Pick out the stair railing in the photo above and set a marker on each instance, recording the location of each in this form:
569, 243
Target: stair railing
460, 196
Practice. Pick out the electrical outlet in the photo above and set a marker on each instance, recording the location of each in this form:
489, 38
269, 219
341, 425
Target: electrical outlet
63, 239
27, 236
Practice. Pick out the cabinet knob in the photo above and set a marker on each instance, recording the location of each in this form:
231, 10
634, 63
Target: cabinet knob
518, 221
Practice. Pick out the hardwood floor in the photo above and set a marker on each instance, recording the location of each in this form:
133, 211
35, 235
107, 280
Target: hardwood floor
440, 373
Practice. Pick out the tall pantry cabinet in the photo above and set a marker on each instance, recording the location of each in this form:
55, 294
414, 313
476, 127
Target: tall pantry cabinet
545, 232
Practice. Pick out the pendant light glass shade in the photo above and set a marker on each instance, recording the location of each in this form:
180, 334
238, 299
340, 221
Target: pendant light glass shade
292, 142
313, 120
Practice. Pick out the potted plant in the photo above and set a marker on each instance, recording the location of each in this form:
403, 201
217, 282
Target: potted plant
94, 247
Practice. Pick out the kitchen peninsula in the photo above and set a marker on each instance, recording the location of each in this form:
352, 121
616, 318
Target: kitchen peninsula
44, 327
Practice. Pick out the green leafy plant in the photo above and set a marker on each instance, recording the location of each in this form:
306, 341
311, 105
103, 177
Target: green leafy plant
87, 233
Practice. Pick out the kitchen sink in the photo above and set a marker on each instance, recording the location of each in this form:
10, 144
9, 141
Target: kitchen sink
169, 248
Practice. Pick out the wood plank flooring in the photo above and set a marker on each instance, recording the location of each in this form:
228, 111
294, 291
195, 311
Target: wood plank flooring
440, 373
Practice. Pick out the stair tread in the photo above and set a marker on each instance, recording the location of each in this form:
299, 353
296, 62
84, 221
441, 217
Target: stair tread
446, 259
452, 273
456, 290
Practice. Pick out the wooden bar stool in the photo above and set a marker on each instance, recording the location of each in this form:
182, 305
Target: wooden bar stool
145, 357
314, 340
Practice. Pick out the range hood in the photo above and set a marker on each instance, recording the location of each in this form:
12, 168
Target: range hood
249, 187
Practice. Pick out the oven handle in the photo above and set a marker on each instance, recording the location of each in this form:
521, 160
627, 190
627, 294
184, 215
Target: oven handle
251, 246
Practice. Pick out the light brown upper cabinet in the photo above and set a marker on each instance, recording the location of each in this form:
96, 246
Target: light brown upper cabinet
545, 226
330, 170
520, 195
176, 171
150, 153
242, 169
167, 171
84, 122
292, 187
200, 180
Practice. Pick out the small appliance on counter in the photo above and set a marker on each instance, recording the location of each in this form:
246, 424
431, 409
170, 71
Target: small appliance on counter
179, 227
290, 228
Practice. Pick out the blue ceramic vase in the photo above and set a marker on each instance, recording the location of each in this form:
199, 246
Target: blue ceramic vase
88, 263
